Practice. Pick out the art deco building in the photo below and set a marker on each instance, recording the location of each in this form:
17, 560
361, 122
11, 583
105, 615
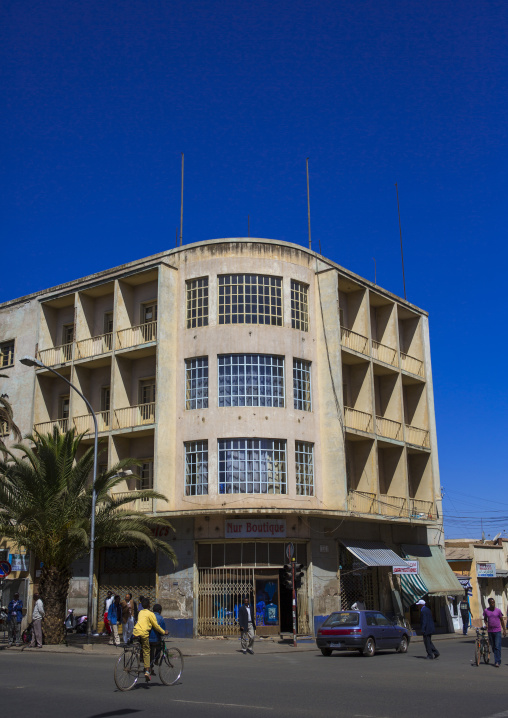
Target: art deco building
271, 395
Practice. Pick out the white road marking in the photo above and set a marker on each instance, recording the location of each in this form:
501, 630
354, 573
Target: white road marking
227, 705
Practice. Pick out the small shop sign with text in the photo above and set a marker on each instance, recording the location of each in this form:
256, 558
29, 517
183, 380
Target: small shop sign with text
486, 570
262, 528
412, 567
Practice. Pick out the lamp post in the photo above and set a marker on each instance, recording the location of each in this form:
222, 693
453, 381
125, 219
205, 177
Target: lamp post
30, 361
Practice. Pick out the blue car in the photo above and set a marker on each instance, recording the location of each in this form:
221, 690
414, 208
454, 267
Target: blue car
363, 631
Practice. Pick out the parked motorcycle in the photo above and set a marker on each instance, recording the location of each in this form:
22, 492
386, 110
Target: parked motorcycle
75, 624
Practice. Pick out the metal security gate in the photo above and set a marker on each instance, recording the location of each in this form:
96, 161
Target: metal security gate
357, 579
220, 594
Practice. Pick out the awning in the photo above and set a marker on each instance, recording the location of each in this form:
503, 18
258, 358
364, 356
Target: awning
412, 588
373, 553
434, 570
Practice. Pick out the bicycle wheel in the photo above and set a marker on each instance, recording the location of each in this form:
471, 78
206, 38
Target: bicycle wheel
171, 666
486, 652
127, 670
477, 653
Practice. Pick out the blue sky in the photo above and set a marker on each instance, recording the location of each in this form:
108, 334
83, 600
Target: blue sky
99, 100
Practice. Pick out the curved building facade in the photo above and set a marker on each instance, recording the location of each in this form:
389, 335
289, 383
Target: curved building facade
278, 401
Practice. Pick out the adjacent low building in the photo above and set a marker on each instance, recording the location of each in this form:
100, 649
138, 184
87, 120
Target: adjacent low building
279, 401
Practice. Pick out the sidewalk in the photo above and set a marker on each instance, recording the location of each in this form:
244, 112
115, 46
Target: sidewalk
204, 646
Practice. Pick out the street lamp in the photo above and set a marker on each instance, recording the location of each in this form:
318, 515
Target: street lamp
30, 361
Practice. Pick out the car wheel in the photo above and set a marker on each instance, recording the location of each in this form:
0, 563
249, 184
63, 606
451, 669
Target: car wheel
326, 651
403, 645
369, 648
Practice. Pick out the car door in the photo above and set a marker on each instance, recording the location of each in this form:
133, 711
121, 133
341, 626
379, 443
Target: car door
374, 629
390, 634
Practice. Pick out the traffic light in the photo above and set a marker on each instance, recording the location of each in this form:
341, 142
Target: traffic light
287, 576
298, 575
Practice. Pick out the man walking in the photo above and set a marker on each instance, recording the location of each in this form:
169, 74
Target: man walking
428, 628
114, 618
15, 613
107, 603
465, 612
247, 624
129, 615
37, 616
494, 621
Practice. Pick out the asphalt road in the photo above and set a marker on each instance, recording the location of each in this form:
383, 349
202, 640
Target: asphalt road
388, 685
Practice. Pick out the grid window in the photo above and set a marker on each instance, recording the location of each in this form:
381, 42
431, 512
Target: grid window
250, 299
252, 466
301, 385
197, 303
251, 380
304, 464
299, 306
196, 383
196, 468
7, 353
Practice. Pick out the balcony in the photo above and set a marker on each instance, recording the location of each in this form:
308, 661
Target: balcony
363, 502
411, 364
389, 428
93, 346
46, 427
354, 341
132, 336
417, 437
359, 420
84, 424
134, 416
135, 504
384, 353
55, 355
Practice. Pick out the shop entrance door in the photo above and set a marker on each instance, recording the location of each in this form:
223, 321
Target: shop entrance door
267, 602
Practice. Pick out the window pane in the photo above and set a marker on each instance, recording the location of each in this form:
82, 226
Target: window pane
299, 306
250, 299
304, 466
197, 303
301, 385
251, 380
196, 383
252, 466
196, 468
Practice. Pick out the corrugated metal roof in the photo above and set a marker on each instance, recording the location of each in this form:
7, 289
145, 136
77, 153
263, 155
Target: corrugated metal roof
434, 570
373, 553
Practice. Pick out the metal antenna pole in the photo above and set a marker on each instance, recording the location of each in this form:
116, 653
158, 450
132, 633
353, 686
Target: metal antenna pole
181, 208
308, 201
401, 251
375, 270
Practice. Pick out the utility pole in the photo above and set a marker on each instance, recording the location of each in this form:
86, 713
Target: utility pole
295, 644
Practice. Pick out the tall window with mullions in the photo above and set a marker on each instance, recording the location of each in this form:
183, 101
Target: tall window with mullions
250, 299
251, 380
197, 302
301, 385
299, 306
196, 468
196, 383
252, 466
304, 468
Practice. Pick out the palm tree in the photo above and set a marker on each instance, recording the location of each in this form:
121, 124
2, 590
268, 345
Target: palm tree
46, 504
7, 425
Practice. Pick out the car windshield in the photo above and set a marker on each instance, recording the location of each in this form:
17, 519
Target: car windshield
344, 618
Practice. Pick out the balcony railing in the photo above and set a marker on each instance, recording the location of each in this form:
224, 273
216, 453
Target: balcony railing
364, 502
418, 437
352, 340
46, 427
355, 419
94, 345
388, 427
132, 336
136, 504
56, 355
411, 364
84, 424
383, 353
134, 416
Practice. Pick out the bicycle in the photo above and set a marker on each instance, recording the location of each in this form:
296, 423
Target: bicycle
482, 647
129, 665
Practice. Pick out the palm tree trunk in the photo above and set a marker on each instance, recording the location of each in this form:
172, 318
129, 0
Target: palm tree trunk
53, 588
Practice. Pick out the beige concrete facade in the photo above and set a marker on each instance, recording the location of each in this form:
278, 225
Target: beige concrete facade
371, 426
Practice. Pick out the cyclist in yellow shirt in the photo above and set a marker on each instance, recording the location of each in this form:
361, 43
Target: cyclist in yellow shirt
146, 621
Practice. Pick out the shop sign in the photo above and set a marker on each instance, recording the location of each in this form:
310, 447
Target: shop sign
256, 528
486, 570
412, 567
19, 561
